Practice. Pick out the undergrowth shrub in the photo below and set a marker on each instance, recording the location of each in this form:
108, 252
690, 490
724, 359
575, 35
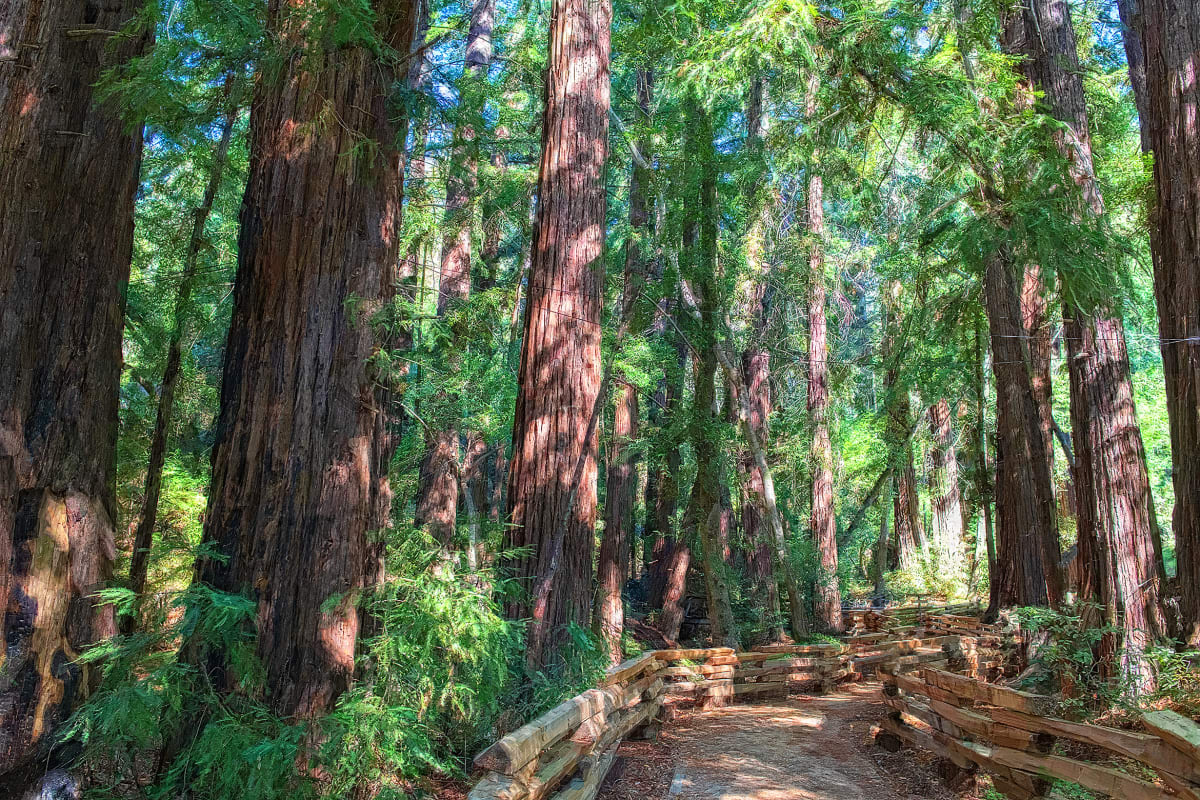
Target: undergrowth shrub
437, 673
1065, 652
441, 674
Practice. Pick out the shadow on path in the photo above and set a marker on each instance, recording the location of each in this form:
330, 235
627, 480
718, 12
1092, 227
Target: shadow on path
803, 748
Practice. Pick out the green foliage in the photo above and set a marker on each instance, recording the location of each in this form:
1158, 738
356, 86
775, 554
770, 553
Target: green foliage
437, 673
150, 698
1065, 647
1178, 678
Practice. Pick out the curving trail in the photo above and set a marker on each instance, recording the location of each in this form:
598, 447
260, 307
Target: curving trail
803, 748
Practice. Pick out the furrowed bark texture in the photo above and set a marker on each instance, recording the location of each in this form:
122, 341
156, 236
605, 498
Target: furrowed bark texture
1035, 324
1118, 548
827, 605
944, 495
1027, 551
437, 498
559, 373
756, 377
1170, 32
68, 176
621, 479
906, 508
300, 464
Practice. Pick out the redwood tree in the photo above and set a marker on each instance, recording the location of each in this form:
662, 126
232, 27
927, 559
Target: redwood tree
1118, 547
300, 463
1167, 101
823, 523
67, 187
552, 478
621, 478
1027, 550
947, 536
756, 377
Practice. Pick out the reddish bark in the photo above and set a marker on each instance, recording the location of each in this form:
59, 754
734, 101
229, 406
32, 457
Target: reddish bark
944, 495
67, 187
1027, 550
1170, 34
299, 465
621, 478
756, 376
827, 605
1121, 566
559, 373
1035, 324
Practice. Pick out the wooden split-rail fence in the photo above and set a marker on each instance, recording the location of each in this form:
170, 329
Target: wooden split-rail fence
565, 753
1010, 734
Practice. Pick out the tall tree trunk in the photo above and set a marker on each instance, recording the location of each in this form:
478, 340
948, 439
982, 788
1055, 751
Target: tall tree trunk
559, 374
983, 486
1170, 36
144, 537
883, 543
300, 462
621, 478
756, 377
442, 470
703, 512
1027, 550
668, 552
1035, 324
945, 497
67, 187
1119, 556
827, 606
900, 426
910, 529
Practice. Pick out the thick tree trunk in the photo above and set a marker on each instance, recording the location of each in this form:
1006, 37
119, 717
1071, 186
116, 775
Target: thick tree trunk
1027, 550
144, 537
559, 374
1117, 548
677, 559
756, 370
1035, 324
67, 187
827, 605
621, 478
703, 512
948, 533
437, 496
661, 508
1170, 35
300, 463
756, 378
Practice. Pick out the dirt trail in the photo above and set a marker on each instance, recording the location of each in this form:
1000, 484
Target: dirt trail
804, 748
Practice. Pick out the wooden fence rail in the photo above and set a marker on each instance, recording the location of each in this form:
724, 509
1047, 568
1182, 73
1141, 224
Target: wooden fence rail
565, 753
1011, 734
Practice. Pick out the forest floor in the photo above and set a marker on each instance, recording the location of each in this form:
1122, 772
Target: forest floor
802, 748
